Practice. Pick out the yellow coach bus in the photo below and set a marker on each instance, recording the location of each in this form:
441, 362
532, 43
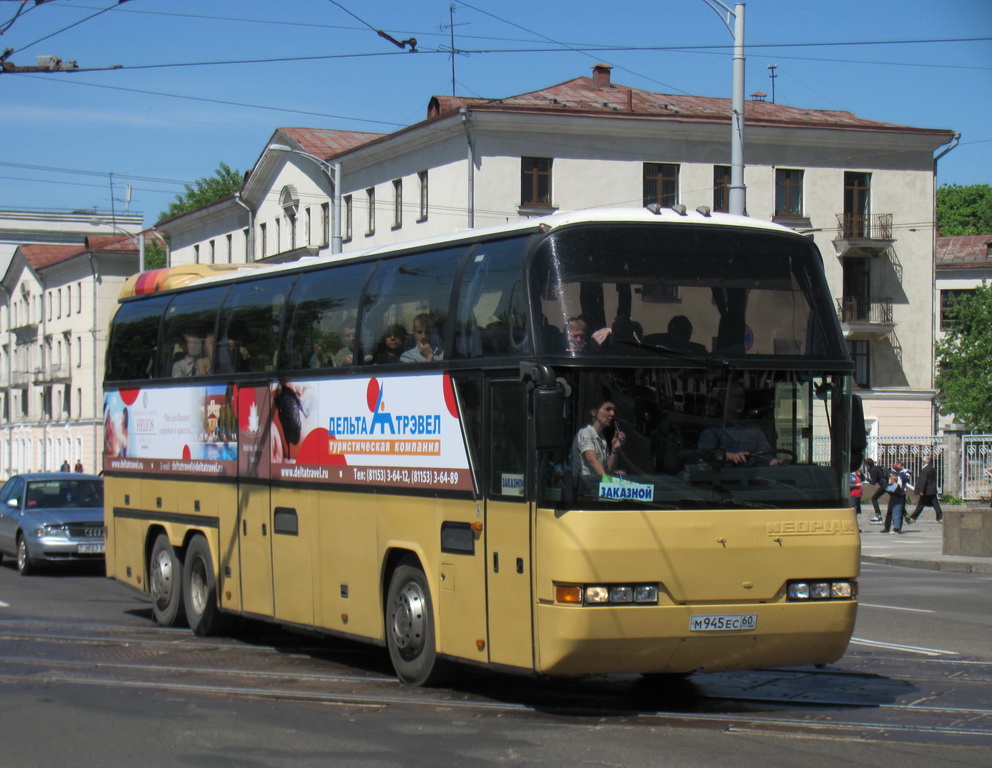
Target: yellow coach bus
613, 441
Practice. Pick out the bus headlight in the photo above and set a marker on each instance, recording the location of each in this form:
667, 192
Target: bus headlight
821, 589
607, 594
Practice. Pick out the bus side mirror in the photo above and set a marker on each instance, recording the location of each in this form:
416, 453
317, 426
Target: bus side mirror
858, 440
549, 421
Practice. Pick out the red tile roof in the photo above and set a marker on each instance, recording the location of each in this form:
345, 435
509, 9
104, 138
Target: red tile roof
42, 256
325, 143
964, 252
597, 95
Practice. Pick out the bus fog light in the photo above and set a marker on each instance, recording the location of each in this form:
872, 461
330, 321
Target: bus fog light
841, 590
799, 590
622, 594
646, 593
821, 590
597, 594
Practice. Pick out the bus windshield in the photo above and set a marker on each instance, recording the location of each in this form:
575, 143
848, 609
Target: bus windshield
700, 439
681, 292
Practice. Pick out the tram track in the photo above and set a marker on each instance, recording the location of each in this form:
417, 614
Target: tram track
947, 699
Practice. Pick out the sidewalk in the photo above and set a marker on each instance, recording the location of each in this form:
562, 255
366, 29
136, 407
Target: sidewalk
920, 545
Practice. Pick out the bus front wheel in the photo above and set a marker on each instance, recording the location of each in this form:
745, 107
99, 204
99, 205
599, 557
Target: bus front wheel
200, 590
165, 572
410, 632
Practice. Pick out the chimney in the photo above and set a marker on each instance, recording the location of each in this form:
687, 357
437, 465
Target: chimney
601, 75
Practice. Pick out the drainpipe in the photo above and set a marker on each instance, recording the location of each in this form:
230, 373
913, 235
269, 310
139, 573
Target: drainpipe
250, 246
955, 139
471, 167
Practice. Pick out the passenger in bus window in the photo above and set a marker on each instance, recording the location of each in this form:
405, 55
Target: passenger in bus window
389, 348
678, 337
597, 446
346, 355
185, 365
319, 358
233, 356
426, 348
204, 363
575, 334
743, 442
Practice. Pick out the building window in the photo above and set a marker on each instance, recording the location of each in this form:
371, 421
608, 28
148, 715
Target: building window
422, 208
661, 184
397, 203
861, 354
721, 188
346, 234
263, 236
79, 298
245, 241
788, 192
370, 223
213, 252
230, 248
535, 181
79, 351
325, 223
857, 189
947, 299
196, 253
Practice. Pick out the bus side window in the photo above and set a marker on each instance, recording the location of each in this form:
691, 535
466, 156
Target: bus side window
508, 440
491, 319
250, 325
187, 333
134, 339
321, 313
403, 288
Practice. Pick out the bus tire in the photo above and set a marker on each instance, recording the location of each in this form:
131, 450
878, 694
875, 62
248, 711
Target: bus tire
200, 590
410, 633
165, 575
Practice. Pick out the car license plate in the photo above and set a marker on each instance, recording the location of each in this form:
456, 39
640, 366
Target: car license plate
91, 549
723, 622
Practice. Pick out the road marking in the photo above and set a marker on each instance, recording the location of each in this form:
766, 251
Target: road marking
897, 608
900, 647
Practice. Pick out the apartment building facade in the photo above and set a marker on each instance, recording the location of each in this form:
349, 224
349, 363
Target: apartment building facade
56, 308
862, 190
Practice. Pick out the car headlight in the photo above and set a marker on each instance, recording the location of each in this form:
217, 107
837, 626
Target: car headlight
821, 589
607, 594
49, 531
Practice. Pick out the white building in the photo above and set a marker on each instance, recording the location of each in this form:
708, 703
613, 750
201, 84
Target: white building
863, 190
57, 303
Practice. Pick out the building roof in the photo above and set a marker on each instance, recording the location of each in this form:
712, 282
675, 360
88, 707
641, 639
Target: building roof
325, 143
964, 252
597, 95
42, 256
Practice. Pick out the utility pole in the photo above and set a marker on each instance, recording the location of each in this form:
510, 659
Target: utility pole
738, 192
772, 75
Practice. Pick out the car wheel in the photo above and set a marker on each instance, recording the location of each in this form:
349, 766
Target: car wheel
200, 590
165, 574
410, 634
25, 565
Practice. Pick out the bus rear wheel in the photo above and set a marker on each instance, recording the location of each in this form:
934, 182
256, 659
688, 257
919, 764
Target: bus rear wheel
165, 572
410, 634
200, 590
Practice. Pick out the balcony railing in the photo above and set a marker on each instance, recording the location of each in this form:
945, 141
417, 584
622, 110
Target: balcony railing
876, 311
858, 226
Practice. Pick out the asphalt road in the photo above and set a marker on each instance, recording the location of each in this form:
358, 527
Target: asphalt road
87, 678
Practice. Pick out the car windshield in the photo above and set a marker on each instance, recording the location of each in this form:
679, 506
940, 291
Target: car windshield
55, 494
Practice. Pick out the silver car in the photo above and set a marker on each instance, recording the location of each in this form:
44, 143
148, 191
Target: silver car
51, 517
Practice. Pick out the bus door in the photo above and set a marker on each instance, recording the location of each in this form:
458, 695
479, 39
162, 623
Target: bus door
293, 537
508, 524
254, 499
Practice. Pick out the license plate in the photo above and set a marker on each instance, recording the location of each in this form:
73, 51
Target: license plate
723, 622
91, 549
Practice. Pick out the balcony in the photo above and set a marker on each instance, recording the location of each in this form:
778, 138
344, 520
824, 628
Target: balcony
56, 373
865, 319
863, 235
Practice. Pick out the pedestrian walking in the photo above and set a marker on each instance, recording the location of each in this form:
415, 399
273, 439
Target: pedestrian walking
899, 481
926, 486
875, 476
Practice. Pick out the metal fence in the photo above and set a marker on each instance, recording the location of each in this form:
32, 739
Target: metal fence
976, 466
910, 452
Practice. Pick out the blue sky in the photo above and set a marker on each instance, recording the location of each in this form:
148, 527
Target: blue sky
204, 83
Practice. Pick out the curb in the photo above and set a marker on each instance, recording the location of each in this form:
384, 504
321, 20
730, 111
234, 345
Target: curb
944, 565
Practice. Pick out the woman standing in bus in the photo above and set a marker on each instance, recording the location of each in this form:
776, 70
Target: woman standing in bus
591, 455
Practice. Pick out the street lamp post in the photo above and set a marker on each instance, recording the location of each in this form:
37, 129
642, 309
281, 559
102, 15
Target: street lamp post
738, 192
333, 173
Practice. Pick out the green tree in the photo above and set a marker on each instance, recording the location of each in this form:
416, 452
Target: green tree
225, 181
964, 210
154, 254
964, 356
